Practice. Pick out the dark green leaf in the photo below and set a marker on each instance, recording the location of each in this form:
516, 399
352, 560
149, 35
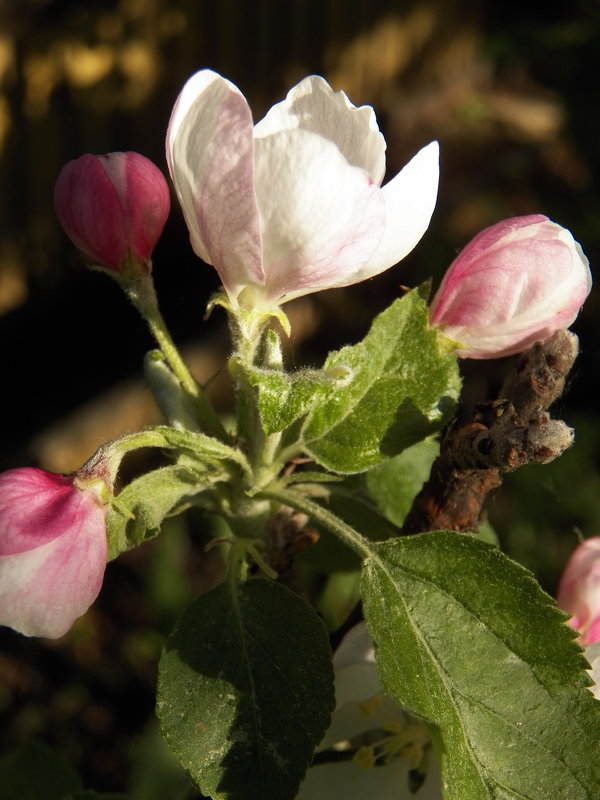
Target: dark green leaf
34, 772
467, 640
89, 794
402, 387
246, 690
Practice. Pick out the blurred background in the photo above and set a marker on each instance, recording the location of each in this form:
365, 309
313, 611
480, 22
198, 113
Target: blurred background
510, 91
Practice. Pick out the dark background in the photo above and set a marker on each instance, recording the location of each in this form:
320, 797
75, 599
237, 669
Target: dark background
510, 91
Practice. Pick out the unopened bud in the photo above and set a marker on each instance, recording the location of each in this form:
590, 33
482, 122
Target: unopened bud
579, 590
514, 284
113, 207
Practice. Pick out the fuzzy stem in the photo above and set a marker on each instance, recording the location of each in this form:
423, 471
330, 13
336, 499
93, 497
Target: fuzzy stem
335, 525
142, 294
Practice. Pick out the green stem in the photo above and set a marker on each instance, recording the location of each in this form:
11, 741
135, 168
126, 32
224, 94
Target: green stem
335, 525
199, 444
143, 296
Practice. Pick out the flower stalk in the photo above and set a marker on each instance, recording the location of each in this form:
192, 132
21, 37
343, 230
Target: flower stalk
142, 294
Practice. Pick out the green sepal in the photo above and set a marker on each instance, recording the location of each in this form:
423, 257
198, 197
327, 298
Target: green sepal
466, 640
245, 690
401, 388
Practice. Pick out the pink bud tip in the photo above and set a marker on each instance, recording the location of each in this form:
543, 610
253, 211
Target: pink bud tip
513, 285
579, 590
52, 551
112, 205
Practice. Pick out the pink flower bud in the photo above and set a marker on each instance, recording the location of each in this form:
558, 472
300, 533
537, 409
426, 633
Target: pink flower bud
513, 285
579, 590
52, 551
112, 205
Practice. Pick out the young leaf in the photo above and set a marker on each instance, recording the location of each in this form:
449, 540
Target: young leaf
149, 498
467, 640
284, 397
246, 690
401, 388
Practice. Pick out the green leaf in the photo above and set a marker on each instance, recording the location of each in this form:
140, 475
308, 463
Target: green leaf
284, 397
150, 498
403, 387
394, 484
34, 772
467, 640
246, 690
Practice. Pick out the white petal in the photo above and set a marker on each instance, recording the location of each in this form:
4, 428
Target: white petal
592, 653
210, 157
355, 648
409, 201
321, 218
390, 782
312, 105
347, 780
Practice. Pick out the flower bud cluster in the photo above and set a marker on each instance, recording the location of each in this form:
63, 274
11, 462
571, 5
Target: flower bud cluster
289, 206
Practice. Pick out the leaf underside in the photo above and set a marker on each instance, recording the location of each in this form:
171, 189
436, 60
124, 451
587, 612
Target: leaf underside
479, 651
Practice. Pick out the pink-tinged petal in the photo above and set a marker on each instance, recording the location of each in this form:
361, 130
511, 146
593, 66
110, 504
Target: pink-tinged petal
144, 197
579, 590
53, 551
210, 156
112, 205
312, 105
321, 217
308, 215
410, 199
593, 632
514, 284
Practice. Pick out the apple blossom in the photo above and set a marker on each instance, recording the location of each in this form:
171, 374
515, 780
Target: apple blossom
366, 718
514, 284
292, 205
52, 550
113, 206
579, 590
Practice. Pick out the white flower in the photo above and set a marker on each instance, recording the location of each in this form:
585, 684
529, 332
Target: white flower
592, 653
386, 743
292, 205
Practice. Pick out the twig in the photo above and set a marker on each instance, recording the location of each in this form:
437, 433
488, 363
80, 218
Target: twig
503, 435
